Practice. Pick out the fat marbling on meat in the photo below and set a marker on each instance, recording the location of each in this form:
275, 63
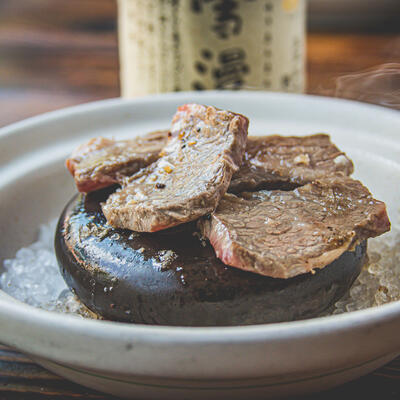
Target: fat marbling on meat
286, 162
190, 177
102, 162
282, 234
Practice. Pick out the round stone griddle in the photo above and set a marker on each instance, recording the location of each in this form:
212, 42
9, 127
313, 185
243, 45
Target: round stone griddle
174, 278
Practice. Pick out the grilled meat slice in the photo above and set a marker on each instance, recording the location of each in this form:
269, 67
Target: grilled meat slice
282, 234
279, 162
190, 177
103, 162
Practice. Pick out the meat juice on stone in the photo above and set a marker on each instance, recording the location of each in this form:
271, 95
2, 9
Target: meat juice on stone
378, 283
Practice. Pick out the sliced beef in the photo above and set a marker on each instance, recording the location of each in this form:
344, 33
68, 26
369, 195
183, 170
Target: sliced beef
269, 161
103, 162
286, 233
279, 162
193, 173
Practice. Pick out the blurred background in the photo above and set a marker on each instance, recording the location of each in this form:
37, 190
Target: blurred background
57, 53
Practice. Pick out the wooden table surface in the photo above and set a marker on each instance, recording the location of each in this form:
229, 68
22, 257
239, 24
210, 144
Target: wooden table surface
43, 69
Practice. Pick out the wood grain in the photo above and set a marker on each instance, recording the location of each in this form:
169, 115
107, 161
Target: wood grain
21, 379
19, 375
71, 14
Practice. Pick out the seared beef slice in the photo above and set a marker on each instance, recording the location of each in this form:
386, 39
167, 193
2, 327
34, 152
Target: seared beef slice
286, 233
279, 162
269, 162
103, 162
194, 172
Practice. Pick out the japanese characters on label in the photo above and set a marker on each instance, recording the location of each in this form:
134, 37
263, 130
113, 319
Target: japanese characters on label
211, 44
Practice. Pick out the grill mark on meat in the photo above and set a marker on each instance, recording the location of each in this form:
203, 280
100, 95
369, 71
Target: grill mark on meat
103, 162
283, 234
279, 162
195, 168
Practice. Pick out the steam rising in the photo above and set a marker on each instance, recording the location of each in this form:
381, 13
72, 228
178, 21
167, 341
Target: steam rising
378, 85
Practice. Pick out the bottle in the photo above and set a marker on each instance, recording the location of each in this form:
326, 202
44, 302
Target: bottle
174, 45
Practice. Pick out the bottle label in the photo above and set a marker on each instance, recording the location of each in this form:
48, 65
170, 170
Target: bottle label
172, 45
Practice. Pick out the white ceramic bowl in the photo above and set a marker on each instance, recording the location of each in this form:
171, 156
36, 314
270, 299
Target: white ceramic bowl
172, 362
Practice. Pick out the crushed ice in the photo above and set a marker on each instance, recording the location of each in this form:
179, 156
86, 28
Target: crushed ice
379, 281
34, 278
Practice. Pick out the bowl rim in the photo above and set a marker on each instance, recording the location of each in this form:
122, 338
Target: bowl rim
15, 309
57, 322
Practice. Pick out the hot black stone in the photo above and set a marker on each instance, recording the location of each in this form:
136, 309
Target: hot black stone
120, 275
